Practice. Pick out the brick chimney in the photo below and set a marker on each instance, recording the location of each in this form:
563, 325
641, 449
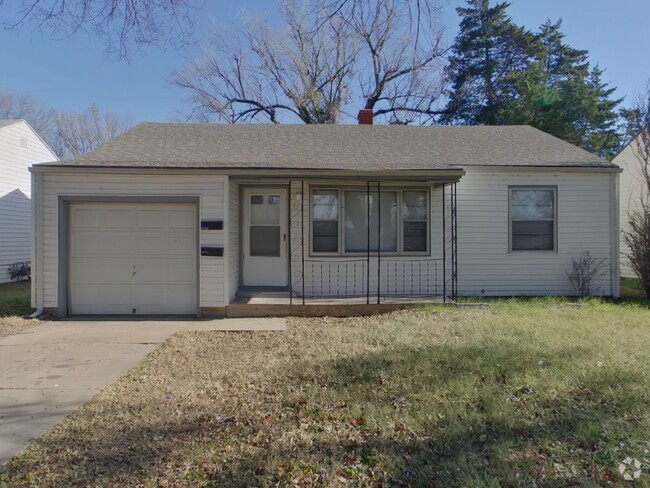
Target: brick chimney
365, 116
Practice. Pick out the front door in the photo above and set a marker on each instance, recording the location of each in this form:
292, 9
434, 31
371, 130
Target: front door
265, 237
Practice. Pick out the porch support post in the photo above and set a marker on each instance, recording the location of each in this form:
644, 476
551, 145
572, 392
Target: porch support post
455, 242
378, 242
444, 248
290, 248
302, 237
368, 243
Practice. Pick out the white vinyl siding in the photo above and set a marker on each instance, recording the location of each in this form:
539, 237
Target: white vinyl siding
20, 147
486, 267
208, 189
233, 239
584, 223
15, 231
633, 192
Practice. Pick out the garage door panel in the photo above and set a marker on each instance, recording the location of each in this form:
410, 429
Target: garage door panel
182, 245
152, 219
181, 220
177, 295
121, 218
116, 299
96, 243
84, 218
172, 270
100, 270
150, 244
126, 257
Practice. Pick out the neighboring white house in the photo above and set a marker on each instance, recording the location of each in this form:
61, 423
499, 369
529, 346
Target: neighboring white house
20, 147
204, 219
633, 193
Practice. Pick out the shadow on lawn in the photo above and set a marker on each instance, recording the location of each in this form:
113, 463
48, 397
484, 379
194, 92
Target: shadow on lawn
494, 431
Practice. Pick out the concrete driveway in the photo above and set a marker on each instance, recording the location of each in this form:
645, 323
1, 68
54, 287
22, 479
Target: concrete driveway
49, 371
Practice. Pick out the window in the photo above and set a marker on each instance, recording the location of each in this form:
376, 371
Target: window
325, 221
265, 226
532, 219
383, 221
345, 221
414, 215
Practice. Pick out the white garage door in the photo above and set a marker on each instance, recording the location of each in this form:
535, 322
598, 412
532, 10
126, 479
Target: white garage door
133, 258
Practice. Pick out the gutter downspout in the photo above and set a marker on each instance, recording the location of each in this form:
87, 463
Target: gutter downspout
615, 239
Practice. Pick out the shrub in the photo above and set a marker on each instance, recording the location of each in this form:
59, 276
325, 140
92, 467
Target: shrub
584, 271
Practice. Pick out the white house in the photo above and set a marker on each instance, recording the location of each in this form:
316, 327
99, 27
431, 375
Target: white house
211, 219
20, 147
634, 193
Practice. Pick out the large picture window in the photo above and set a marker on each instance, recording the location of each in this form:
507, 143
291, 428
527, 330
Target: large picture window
349, 221
383, 221
533, 219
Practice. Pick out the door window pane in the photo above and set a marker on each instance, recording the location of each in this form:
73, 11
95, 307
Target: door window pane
265, 214
357, 206
264, 240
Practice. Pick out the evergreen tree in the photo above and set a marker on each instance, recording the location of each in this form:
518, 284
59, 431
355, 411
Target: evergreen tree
487, 48
535, 79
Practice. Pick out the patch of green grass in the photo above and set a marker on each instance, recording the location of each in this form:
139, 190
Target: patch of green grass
631, 287
15, 299
524, 392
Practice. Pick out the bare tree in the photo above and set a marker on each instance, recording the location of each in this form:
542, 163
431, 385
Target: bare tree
637, 237
41, 118
399, 67
122, 23
79, 133
69, 134
329, 59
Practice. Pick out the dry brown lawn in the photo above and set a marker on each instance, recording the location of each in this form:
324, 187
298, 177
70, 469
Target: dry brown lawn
14, 308
524, 392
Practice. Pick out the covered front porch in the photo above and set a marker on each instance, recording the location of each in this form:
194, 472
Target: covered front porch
339, 245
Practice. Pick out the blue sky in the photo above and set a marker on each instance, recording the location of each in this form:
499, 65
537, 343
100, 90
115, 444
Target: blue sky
73, 74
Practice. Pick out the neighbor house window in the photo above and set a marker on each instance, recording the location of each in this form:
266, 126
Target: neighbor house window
325, 221
349, 221
533, 219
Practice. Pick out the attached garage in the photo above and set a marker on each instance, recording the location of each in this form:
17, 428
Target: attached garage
132, 258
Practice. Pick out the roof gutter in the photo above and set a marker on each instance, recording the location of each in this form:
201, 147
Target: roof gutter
266, 173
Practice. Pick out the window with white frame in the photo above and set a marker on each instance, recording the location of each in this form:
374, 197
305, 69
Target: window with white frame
348, 221
533, 218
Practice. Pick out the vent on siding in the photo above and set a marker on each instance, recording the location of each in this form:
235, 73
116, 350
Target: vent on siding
23, 142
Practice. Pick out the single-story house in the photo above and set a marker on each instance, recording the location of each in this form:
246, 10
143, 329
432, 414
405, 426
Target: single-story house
634, 192
199, 218
20, 147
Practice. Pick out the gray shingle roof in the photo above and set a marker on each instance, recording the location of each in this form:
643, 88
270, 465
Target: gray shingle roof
341, 147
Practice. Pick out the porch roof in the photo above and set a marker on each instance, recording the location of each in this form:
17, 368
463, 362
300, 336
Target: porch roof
334, 147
